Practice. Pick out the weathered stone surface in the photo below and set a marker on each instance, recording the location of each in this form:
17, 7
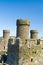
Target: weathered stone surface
23, 29
21, 50
34, 34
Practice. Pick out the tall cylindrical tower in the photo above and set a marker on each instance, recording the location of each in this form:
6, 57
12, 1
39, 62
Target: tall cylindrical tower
34, 34
23, 28
6, 34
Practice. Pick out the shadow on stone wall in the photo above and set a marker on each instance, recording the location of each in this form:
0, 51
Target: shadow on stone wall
13, 52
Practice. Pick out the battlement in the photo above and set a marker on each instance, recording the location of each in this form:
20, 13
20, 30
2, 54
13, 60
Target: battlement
22, 48
6, 31
33, 31
23, 22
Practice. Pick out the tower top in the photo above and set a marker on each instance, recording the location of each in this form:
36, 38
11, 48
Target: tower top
23, 22
34, 31
6, 30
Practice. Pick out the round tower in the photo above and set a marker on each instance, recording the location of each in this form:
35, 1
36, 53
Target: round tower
23, 28
6, 34
34, 34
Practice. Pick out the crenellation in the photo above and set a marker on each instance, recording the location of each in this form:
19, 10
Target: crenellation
22, 49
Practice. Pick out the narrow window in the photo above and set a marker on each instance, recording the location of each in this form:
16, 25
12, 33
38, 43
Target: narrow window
4, 47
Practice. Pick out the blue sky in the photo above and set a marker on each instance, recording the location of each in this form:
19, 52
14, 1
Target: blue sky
11, 10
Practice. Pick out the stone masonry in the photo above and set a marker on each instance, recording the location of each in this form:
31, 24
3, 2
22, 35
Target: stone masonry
22, 49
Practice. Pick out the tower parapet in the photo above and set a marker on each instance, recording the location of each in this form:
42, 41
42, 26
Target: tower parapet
23, 28
34, 34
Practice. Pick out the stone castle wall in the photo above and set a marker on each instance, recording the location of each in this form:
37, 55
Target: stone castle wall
22, 49
23, 31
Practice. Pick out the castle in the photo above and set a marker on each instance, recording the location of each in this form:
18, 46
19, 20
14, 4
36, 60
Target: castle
22, 49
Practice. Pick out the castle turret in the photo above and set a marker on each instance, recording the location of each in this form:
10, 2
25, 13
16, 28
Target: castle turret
6, 34
34, 34
23, 29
